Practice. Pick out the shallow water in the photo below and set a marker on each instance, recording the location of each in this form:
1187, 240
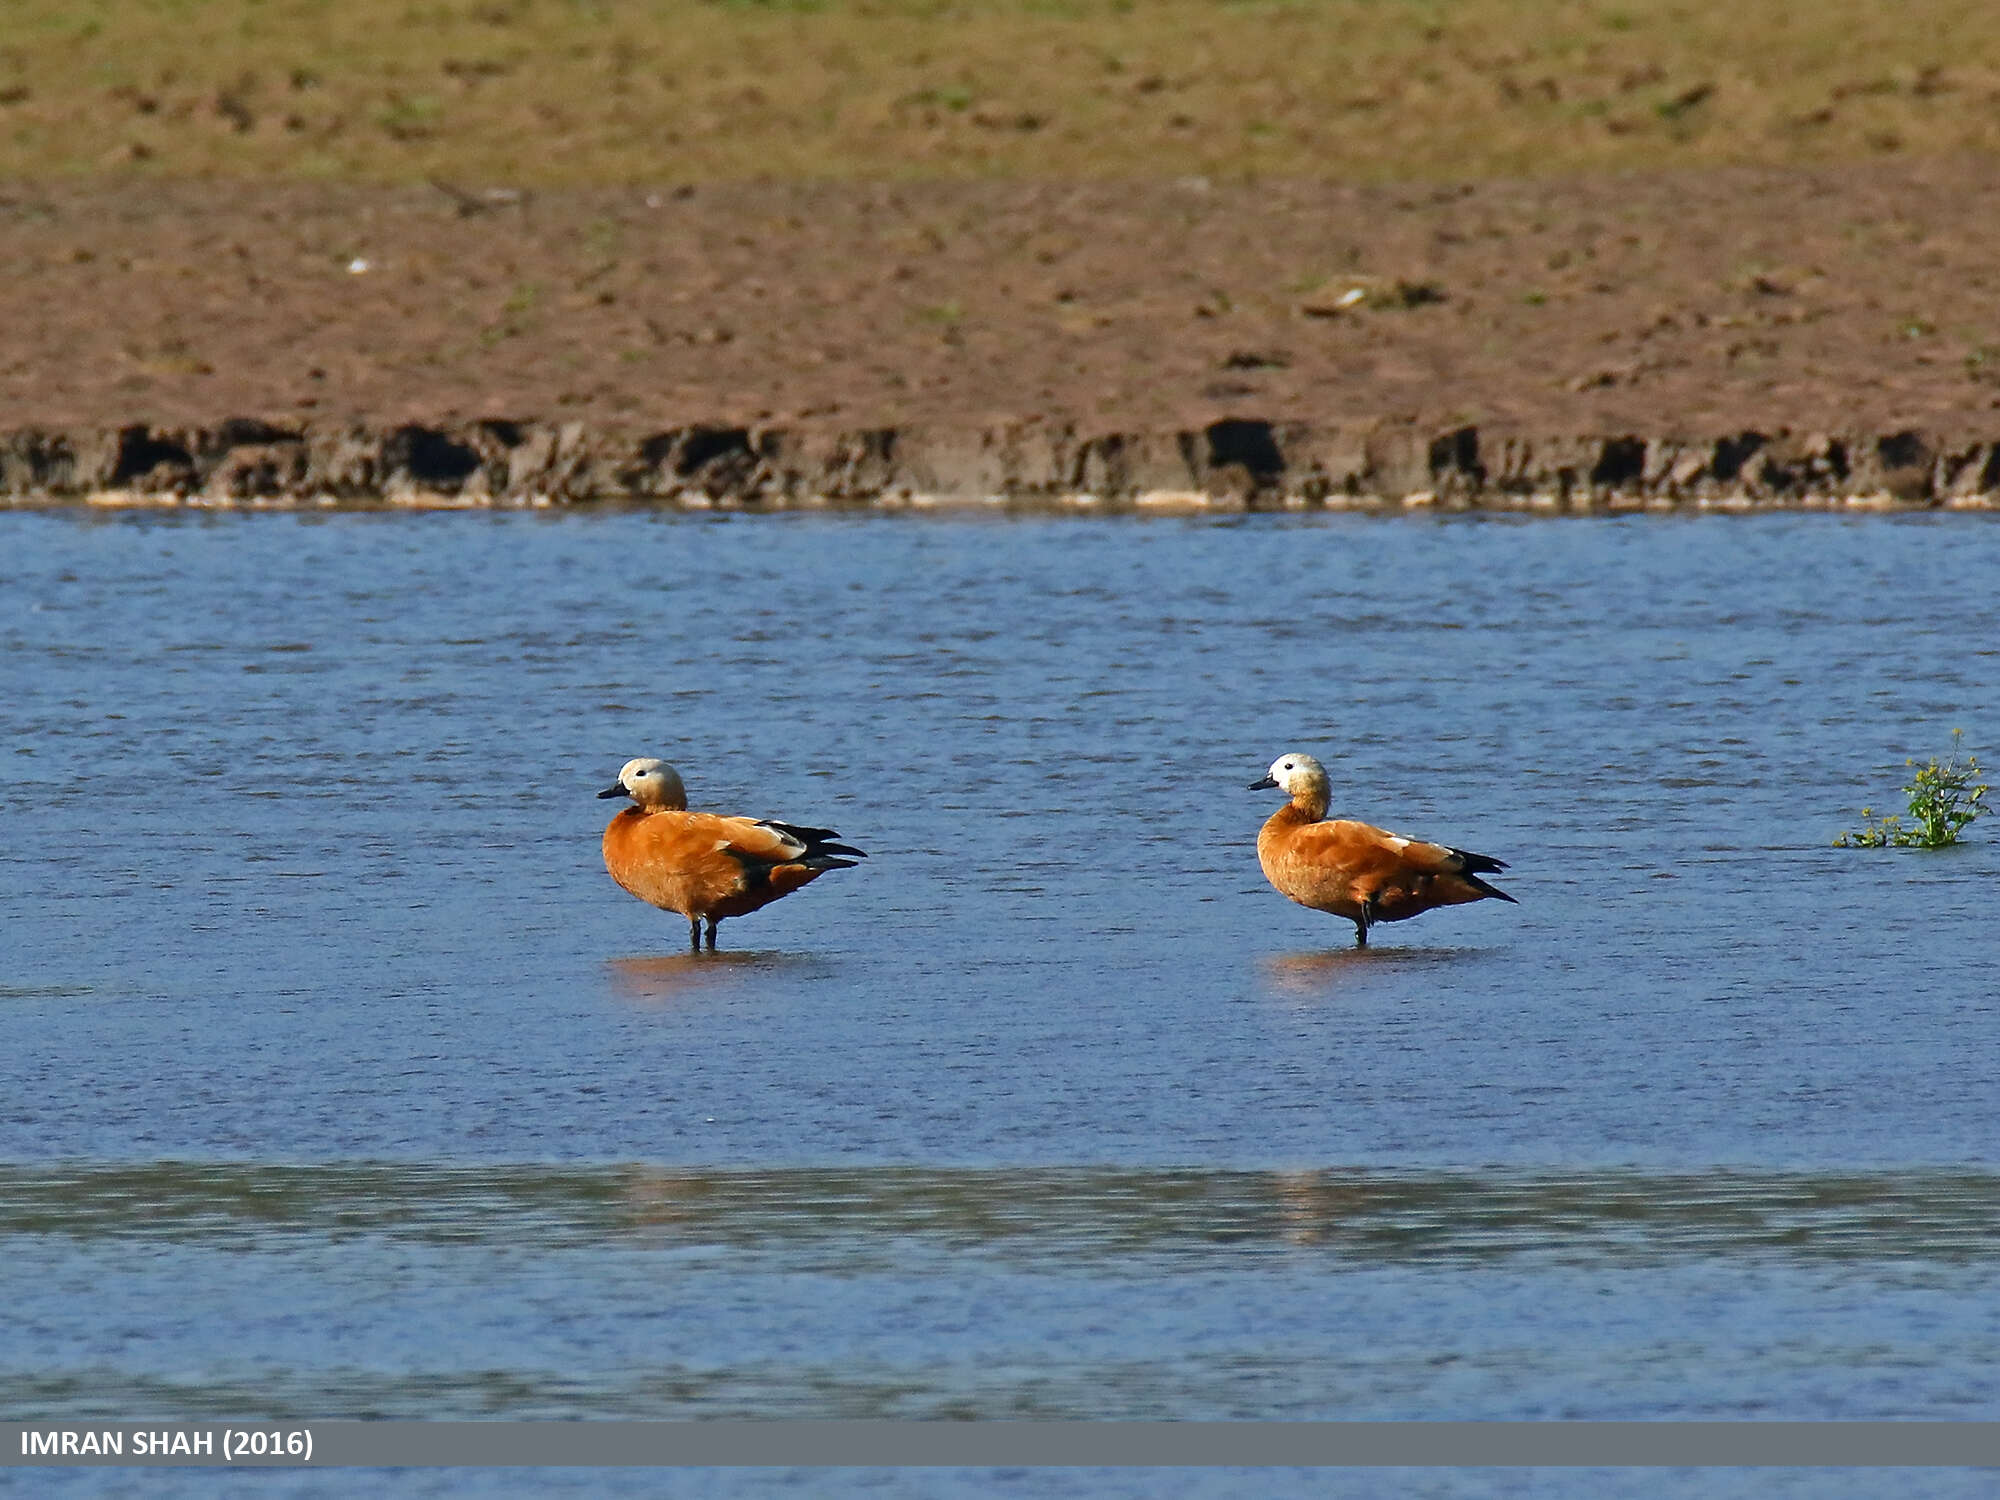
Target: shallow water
341, 1080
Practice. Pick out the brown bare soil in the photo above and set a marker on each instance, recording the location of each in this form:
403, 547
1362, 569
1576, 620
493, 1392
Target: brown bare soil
1857, 303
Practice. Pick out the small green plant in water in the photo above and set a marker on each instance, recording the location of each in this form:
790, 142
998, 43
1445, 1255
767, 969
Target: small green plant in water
1944, 797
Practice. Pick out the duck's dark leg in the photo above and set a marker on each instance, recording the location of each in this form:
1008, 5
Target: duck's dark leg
694, 933
1362, 923
711, 933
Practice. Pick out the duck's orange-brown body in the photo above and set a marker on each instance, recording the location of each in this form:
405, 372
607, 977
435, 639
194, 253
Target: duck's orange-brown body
1356, 870
705, 866
1348, 868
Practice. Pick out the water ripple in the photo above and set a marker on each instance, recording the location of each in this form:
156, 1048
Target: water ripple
1077, 1214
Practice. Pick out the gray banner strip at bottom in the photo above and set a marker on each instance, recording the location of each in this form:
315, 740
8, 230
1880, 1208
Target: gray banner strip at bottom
1005, 1444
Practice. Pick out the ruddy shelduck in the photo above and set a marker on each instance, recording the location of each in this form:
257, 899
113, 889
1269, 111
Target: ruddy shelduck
1356, 870
703, 865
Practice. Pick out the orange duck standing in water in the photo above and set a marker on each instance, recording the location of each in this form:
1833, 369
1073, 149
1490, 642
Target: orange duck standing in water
1356, 870
703, 865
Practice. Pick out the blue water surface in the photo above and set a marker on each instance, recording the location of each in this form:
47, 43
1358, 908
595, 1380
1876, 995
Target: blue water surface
301, 877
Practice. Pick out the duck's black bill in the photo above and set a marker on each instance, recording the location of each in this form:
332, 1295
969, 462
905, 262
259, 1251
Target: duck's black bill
616, 789
1261, 786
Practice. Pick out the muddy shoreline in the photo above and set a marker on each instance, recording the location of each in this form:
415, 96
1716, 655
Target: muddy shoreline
1235, 463
1746, 336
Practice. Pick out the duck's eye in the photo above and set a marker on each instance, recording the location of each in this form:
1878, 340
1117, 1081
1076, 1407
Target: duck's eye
1290, 767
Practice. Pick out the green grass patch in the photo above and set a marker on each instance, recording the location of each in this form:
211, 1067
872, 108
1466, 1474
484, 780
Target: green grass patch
1944, 798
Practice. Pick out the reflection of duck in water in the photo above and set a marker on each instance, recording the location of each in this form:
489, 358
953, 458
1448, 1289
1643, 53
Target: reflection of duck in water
672, 976
1322, 971
703, 865
1311, 973
1356, 870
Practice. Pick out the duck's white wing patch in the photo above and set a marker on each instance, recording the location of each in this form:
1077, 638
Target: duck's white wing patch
786, 842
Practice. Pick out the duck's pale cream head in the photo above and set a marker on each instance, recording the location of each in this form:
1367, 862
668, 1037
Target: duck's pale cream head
650, 783
1297, 774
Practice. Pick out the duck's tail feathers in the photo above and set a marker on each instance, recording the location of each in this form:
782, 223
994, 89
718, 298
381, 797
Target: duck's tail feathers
1475, 865
1479, 864
827, 862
